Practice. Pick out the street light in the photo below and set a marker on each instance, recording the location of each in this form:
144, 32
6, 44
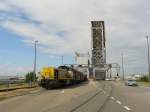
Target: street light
34, 68
62, 60
122, 66
148, 57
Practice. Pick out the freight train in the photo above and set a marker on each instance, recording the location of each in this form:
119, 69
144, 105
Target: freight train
63, 75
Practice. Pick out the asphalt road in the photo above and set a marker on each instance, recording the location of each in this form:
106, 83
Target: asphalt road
93, 96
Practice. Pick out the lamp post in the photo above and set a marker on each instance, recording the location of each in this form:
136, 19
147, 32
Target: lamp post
148, 56
122, 66
62, 60
34, 68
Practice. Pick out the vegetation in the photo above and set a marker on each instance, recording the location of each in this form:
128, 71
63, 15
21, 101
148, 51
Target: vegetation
12, 85
30, 77
144, 78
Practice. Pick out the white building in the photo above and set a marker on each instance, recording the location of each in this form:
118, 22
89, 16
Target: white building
82, 58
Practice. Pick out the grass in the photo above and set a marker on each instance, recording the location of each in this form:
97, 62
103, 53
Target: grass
147, 84
12, 85
2, 98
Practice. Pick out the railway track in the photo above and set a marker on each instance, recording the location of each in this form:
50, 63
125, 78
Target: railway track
16, 88
101, 108
93, 101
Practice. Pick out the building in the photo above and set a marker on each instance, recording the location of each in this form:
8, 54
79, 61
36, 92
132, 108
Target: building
98, 49
11, 79
83, 63
82, 58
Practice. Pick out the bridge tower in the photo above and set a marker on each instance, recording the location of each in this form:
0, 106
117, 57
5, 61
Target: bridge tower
98, 49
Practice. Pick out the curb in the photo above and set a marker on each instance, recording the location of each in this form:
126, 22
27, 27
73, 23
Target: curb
11, 89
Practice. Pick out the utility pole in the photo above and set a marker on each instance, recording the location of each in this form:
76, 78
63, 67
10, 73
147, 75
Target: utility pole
34, 68
62, 60
148, 57
110, 73
122, 66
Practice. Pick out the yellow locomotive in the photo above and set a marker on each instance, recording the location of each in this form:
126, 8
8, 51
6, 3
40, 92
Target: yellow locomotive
63, 75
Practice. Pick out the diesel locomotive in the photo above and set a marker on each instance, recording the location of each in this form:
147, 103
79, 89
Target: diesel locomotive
63, 75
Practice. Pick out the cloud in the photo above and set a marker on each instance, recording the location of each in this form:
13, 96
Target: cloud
63, 26
10, 70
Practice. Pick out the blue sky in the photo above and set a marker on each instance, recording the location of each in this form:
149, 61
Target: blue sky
63, 27
14, 53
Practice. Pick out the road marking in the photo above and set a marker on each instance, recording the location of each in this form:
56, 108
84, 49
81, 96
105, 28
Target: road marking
112, 98
35, 91
127, 108
104, 92
145, 87
119, 102
62, 91
147, 93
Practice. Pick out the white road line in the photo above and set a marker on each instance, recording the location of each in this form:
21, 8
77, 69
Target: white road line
119, 102
62, 91
112, 98
34, 91
104, 92
145, 87
127, 108
147, 93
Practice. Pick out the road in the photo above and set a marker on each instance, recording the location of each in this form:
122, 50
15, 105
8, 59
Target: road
92, 96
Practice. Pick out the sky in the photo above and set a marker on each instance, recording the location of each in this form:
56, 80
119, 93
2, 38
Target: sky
63, 27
